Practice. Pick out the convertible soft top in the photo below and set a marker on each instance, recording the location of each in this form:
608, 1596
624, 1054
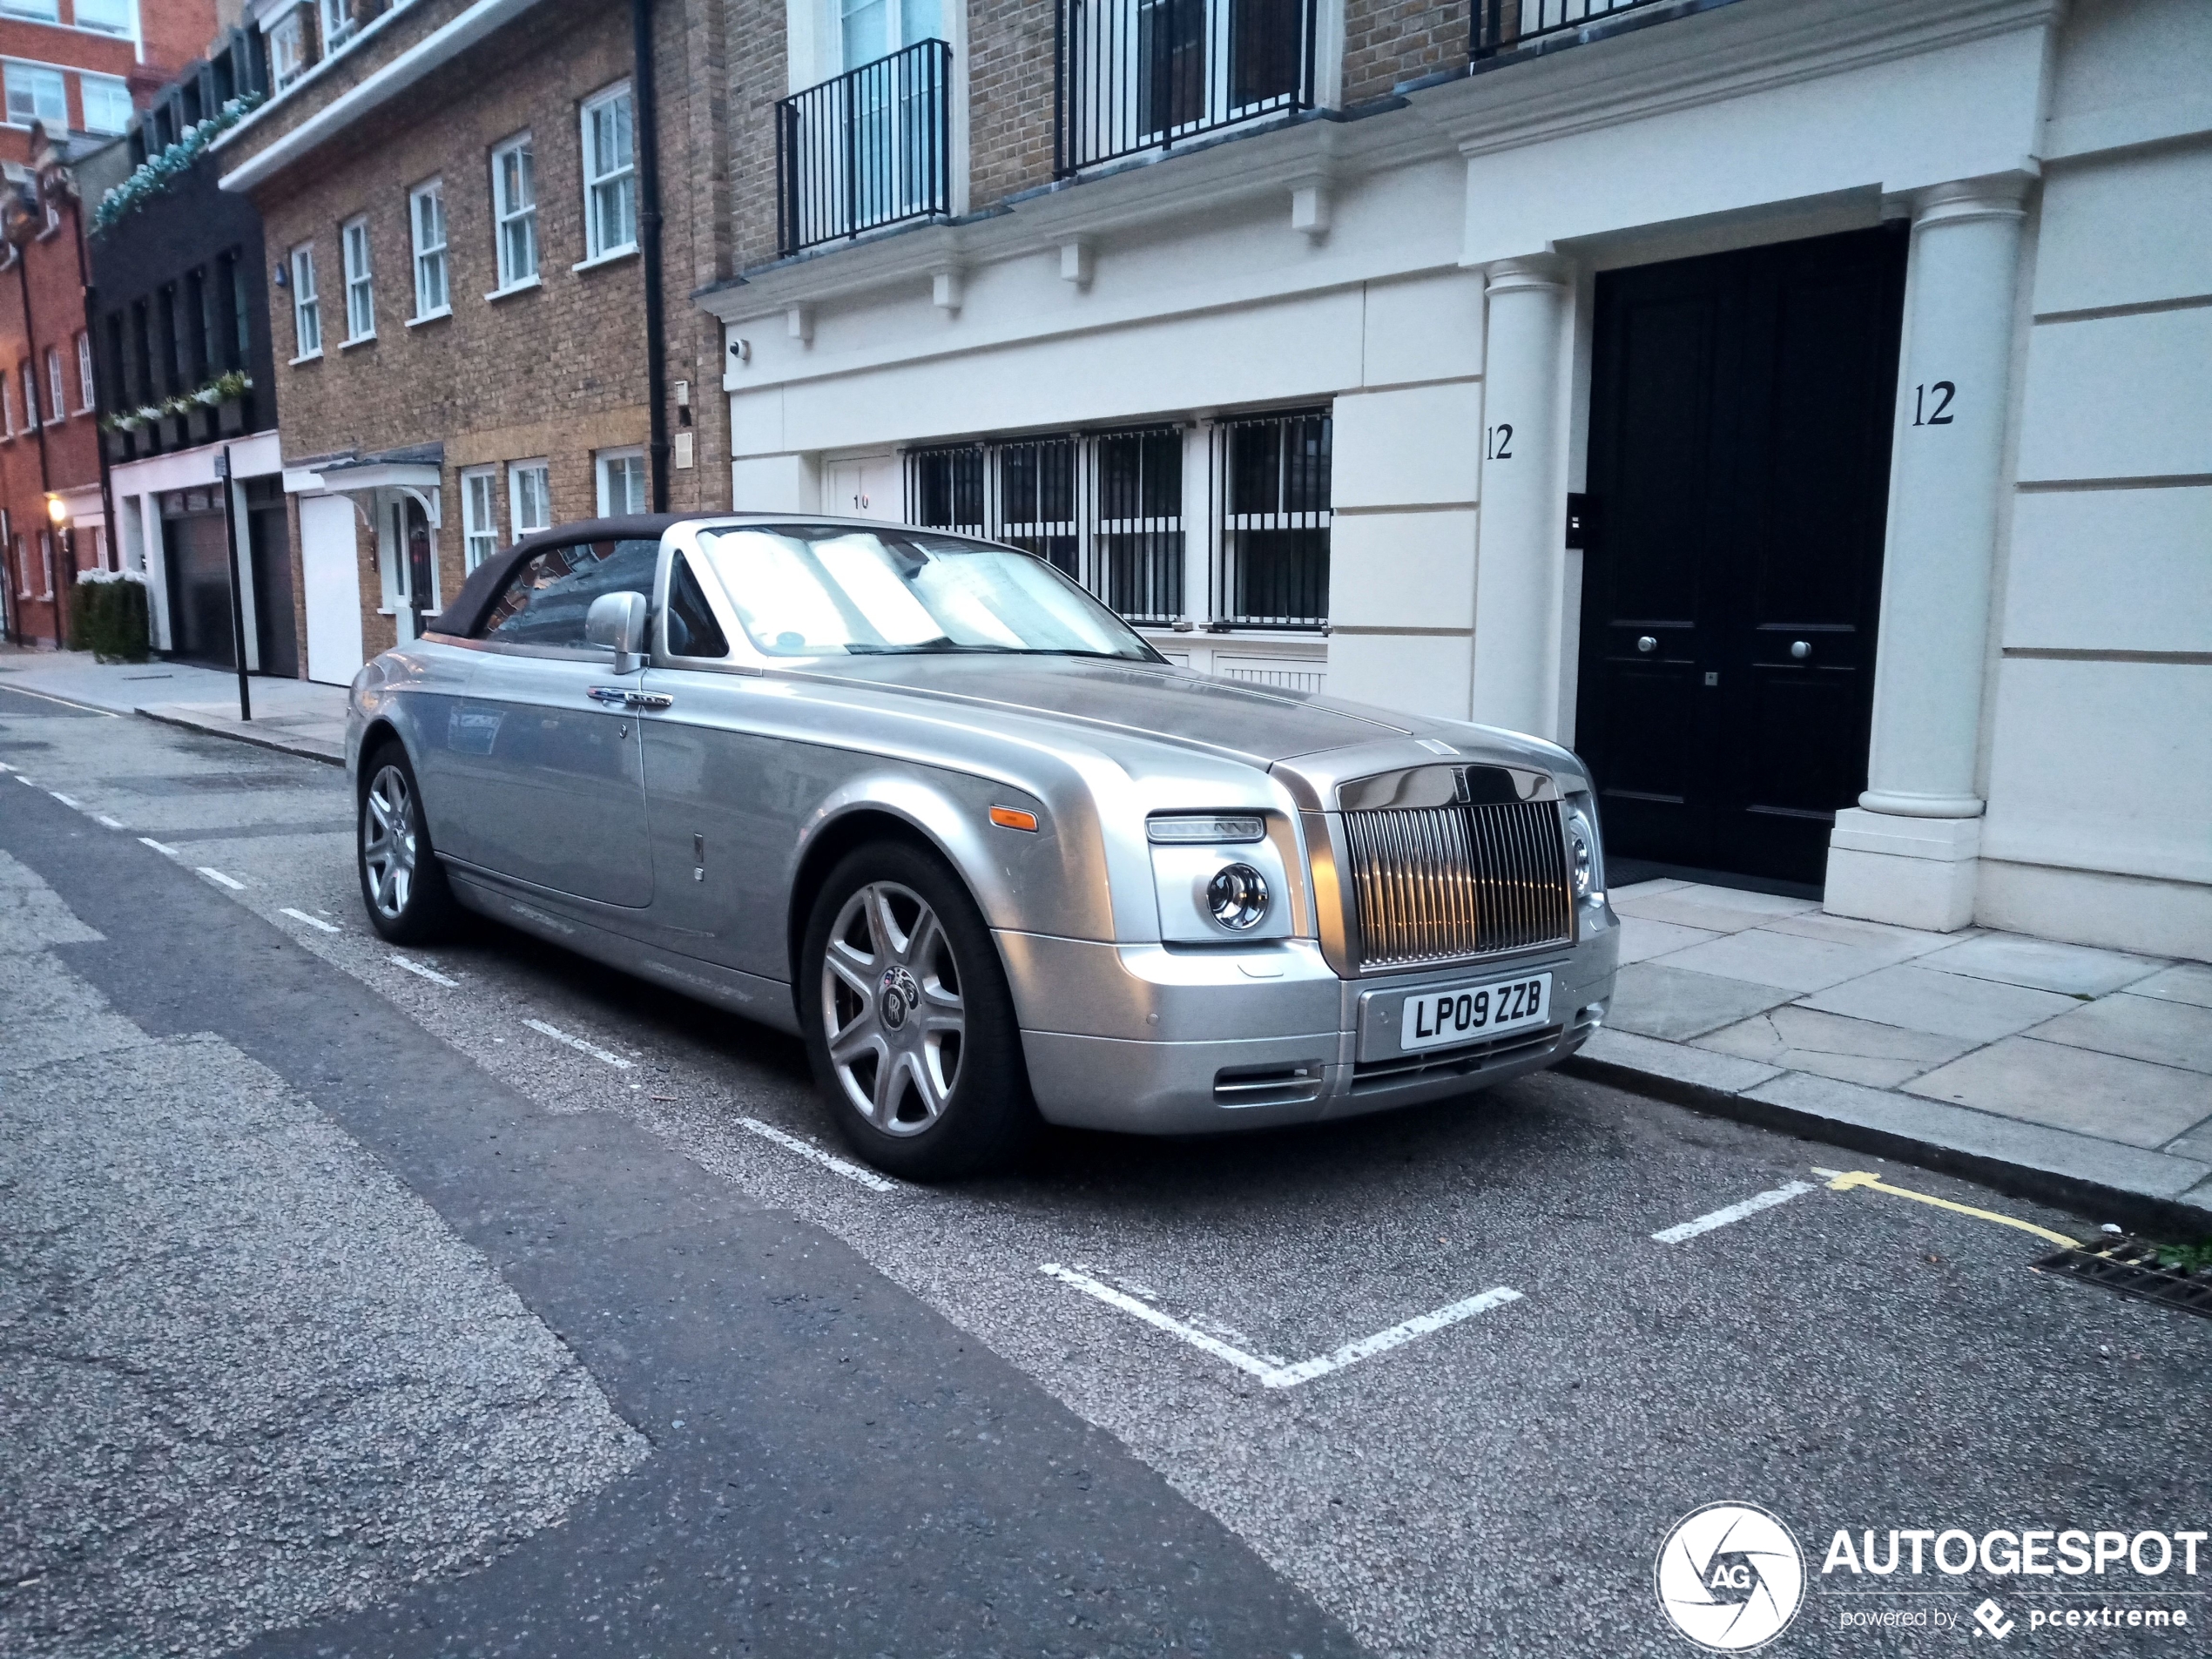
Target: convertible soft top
465, 612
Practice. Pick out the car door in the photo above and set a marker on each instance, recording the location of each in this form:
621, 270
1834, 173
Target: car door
722, 809
545, 735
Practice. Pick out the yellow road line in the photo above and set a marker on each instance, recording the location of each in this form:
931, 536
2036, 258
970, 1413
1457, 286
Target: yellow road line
1862, 1178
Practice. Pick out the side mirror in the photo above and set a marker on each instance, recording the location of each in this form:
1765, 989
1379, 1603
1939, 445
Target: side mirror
616, 623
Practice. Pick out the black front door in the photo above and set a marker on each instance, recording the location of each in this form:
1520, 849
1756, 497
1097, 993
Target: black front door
1740, 413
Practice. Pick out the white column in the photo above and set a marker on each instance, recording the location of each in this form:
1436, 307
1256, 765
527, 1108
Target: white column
1907, 854
1521, 565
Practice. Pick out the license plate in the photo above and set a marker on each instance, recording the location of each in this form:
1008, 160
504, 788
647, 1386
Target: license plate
1470, 1012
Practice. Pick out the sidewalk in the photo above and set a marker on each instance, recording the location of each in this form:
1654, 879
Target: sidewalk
298, 716
2076, 1075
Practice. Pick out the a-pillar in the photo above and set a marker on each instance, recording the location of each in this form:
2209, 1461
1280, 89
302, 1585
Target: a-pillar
1907, 854
1521, 567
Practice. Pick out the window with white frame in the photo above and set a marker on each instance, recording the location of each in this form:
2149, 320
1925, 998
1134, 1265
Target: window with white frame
334, 20
427, 214
514, 199
622, 483
35, 94
30, 379
88, 388
479, 515
306, 306
46, 557
106, 99
361, 289
110, 18
8, 401
610, 173
288, 48
31, 10
22, 568
1271, 496
57, 403
529, 499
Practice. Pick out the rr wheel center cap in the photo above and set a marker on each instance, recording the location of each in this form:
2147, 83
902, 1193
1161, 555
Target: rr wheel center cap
897, 994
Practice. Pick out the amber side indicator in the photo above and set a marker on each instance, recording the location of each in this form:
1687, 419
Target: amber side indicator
1012, 818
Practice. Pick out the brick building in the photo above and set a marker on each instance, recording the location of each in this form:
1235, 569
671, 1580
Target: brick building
72, 74
455, 201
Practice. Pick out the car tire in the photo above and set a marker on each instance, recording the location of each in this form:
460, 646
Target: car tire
403, 885
908, 1019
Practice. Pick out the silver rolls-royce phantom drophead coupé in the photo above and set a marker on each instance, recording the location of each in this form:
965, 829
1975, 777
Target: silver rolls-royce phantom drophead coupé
925, 802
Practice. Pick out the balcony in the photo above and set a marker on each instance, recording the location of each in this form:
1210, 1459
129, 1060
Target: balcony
871, 148
1138, 75
1509, 25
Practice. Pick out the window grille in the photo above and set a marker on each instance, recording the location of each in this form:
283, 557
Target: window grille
1271, 476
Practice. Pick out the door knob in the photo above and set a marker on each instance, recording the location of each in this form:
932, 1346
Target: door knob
1800, 650
1647, 644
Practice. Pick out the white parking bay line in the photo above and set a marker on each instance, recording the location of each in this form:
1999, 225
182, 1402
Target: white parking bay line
577, 1043
230, 881
166, 852
436, 978
67, 800
1751, 1206
844, 1167
312, 921
111, 823
1272, 1376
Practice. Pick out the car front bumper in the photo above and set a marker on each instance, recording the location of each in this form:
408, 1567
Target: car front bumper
1153, 1040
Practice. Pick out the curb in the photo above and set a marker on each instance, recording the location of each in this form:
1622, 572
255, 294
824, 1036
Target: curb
2143, 1213
330, 754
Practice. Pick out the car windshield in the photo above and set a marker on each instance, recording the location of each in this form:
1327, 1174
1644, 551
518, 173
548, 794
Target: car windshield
812, 591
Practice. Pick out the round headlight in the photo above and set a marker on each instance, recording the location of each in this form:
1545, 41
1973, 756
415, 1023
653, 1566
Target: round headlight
1578, 849
1236, 897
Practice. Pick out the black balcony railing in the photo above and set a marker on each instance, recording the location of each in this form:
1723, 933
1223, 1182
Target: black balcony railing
1272, 492
871, 148
1140, 75
1502, 25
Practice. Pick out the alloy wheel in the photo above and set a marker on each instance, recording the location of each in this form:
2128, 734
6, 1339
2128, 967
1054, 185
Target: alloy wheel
892, 1008
388, 841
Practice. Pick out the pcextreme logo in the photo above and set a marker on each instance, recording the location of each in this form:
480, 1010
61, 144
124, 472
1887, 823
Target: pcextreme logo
1731, 1577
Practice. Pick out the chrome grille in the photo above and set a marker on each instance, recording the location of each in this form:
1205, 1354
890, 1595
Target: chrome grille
1436, 883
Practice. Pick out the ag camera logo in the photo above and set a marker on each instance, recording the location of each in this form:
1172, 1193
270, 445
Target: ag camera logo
1731, 1577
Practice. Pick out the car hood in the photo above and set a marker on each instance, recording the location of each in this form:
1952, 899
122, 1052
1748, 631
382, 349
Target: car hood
1158, 700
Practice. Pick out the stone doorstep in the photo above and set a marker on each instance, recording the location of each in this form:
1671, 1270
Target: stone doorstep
2151, 1192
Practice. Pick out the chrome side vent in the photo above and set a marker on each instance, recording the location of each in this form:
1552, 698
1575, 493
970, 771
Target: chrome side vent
1267, 1085
1436, 884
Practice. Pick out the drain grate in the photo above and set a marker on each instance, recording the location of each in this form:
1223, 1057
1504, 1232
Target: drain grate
2129, 1266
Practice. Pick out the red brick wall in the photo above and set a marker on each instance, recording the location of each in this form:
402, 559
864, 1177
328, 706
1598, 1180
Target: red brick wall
1387, 43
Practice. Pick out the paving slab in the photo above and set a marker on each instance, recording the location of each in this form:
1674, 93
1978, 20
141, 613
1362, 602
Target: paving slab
2015, 959
2188, 982
1951, 1005
1720, 910
1648, 889
1643, 938
1676, 1003
2106, 1096
1671, 1060
1792, 960
2143, 1028
1982, 1142
1903, 942
1833, 1045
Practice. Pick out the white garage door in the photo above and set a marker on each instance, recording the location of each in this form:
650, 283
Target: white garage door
333, 592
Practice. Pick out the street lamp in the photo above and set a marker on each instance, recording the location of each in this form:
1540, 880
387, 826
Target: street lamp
57, 516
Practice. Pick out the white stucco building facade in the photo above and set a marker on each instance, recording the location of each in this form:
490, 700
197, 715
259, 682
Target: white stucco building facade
1523, 285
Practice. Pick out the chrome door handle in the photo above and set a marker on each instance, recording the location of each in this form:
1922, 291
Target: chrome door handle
613, 696
647, 699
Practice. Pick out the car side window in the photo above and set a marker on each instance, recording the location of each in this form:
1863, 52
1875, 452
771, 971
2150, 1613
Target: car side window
692, 631
546, 599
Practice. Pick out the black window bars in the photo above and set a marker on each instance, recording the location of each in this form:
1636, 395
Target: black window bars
1136, 75
870, 148
1107, 508
1504, 25
1104, 507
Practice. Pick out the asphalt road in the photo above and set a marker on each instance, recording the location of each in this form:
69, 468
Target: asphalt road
826, 1414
